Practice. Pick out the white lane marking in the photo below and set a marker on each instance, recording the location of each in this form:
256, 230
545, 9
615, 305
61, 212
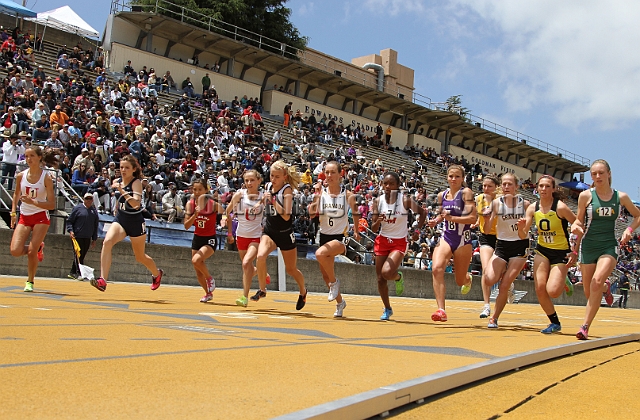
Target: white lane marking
233, 315
41, 309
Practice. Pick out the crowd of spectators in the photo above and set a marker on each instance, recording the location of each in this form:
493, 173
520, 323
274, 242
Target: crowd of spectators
93, 123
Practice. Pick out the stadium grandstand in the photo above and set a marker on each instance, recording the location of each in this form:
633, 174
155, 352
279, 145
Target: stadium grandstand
193, 97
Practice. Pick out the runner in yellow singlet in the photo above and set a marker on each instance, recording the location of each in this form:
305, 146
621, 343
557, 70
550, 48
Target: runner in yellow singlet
553, 256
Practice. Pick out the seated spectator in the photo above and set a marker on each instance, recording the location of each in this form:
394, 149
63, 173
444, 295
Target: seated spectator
171, 204
187, 87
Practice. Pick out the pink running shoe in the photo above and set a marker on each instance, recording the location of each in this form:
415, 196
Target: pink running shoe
439, 315
41, 252
608, 297
211, 285
155, 280
268, 279
99, 283
206, 298
583, 333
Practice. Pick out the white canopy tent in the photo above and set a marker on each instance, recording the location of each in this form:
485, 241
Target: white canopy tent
65, 19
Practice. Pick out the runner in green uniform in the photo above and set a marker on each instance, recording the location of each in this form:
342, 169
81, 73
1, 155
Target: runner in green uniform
598, 209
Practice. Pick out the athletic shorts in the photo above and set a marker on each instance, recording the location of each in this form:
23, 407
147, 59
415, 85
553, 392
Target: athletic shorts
40, 218
487, 240
555, 256
384, 246
505, 250
324, 239
286, 240
133, 227
589, 254
199, 241
243, 243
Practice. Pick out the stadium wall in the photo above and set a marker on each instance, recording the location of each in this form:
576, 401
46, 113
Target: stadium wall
226, 269
226, 86
491, 164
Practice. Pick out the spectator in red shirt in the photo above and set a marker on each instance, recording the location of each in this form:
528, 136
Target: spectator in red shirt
122, 149
188, 160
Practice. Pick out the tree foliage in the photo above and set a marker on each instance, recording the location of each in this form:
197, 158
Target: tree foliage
269, 18
454, 104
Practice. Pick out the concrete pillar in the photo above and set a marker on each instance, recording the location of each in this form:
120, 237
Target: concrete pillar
230, 65
149, 42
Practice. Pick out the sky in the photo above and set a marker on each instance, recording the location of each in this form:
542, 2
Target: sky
566, 73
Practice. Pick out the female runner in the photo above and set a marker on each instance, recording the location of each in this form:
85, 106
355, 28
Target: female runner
389, 215
511, 248
128, 222
278, 228
247, 205
553, 256
34, 190
598, 209
458, 212
331, 205
487, 236
202, 211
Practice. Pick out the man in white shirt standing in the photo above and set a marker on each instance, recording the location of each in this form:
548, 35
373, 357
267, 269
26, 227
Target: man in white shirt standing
11, 149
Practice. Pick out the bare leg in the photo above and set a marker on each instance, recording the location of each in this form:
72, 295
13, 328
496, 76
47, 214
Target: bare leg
266, 247
388, 272
541, 270
198, 259
513, 268
138, 245
248, 269
325, 256
114, 235
290, 262
594, 277
485, 256
37, 236
441, 255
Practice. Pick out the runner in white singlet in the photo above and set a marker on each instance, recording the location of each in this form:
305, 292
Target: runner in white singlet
331, 204
34, 191
248, 208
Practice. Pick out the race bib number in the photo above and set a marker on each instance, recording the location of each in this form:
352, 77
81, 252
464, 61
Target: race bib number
605, 211
201, 224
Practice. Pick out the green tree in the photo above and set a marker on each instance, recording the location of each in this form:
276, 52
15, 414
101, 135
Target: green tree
269, 18
454, 104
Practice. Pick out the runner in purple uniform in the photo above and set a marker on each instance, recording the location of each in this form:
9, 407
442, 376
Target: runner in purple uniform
458, 211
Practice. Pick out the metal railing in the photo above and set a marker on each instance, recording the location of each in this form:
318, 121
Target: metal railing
317, 60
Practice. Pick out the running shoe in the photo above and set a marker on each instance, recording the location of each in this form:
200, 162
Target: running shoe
211, 285
568, 286
439, 316
259, 294
99, 283
74, 277
206, 298
28, 287
339, 308
41, 252
386, 315
400, 284
493, 323
268, 279
302, 300
486, 311
552, 328
155, 280
608, 297
583, 333
466, 288
334, 290
511, 296
242, 301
